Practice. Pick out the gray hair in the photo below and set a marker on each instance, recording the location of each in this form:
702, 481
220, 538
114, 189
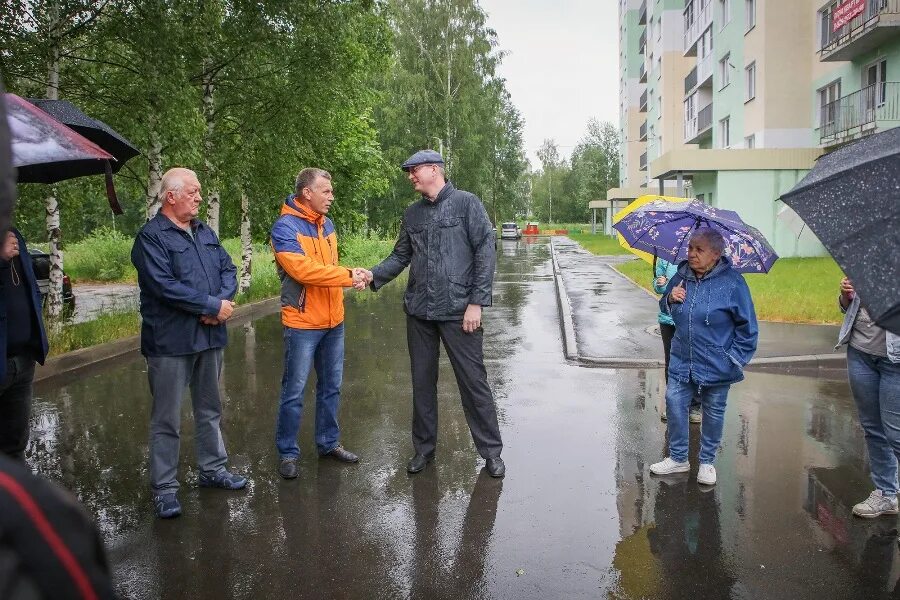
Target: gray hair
712, 237
173, 180
307, 176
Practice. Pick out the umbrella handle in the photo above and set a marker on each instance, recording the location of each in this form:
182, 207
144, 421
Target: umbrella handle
111, 191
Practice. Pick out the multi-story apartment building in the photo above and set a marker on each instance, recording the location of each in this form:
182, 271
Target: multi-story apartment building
763, 88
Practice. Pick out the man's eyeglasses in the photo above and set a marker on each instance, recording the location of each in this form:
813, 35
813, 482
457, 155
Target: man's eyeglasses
417, 167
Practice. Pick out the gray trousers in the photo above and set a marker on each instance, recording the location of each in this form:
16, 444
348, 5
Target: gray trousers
169, 376
467, 358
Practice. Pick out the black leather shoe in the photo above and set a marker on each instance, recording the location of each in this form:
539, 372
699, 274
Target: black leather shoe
418, 462
342, 455
495, 467
288, 468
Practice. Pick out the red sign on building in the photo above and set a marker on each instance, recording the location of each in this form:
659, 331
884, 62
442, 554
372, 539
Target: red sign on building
845, 12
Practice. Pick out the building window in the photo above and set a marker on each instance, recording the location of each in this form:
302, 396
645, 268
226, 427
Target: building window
725, 132
751, 81
828, 103
750, 142
750, 7
700, 197
725, 11
724, 73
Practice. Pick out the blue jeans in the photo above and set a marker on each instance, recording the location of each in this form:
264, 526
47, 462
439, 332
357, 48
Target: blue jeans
678, 401
875, 383
305, 348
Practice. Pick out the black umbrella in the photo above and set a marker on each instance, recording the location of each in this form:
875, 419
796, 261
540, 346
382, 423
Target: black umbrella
46, 151
97, 131
851, 201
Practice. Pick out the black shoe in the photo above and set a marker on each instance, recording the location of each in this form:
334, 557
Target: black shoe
288, 468
495, 467
342, 455
418, 462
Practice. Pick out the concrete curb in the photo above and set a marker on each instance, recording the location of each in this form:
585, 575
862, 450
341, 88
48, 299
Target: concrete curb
84, 358
769, 363
570, 349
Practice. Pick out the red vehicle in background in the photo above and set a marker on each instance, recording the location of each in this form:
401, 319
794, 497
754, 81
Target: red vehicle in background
531, 229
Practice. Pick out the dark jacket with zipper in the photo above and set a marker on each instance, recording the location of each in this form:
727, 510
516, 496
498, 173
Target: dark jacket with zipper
448, 245
182, 276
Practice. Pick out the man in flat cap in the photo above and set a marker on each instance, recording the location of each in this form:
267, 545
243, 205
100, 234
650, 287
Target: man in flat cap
447, 242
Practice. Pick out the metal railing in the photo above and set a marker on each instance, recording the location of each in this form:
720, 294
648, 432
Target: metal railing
643, 162
696, 21
704, 118
832, 39
860, 112
704, 69
697, 125
643, 104
690, 82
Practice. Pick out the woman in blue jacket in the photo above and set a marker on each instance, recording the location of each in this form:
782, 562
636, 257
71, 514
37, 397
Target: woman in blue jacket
715, 338
663, 271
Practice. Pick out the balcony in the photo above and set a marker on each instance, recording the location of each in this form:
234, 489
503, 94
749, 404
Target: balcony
642, 42
700, 76
690, 82
644, 131
696, 22
871, 28
642, 13
643, 104
873, 108
643, 73
643, 162
698, 127
705, 71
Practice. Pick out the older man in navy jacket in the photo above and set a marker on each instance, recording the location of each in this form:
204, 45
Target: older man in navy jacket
187, 281
22, 342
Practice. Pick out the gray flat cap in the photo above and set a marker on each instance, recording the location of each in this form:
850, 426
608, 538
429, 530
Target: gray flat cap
422, 157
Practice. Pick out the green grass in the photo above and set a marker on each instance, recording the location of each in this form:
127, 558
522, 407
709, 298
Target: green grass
598, 243
105, 328
796, 290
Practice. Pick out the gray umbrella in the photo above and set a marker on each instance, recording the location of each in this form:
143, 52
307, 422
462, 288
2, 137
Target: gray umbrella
851, 201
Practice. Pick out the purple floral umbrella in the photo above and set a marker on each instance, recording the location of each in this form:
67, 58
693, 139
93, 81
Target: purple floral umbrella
664, 228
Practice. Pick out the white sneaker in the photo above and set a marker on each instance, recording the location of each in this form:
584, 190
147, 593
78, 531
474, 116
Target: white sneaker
669, 466
876, 505
706, 474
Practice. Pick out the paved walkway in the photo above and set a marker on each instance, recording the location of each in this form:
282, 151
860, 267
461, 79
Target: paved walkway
615, 319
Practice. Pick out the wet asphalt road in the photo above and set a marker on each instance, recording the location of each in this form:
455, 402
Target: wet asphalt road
577, 516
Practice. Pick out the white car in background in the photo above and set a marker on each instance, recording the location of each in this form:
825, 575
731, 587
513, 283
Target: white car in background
510, 231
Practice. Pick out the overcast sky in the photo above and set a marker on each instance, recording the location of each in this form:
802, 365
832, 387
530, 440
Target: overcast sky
562, 66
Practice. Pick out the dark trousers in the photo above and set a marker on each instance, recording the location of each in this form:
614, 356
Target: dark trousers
465, 353
15, 405
169, 376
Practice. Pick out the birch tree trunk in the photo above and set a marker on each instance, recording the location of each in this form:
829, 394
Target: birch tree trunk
212, 196
51, 203
246, 245
154, 174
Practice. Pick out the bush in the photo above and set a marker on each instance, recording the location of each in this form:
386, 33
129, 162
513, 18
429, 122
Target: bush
105, 255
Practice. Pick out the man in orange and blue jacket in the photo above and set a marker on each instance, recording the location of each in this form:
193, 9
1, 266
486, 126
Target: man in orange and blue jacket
312, 313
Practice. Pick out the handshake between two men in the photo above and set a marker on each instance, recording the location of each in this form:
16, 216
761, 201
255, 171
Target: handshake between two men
361, 278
